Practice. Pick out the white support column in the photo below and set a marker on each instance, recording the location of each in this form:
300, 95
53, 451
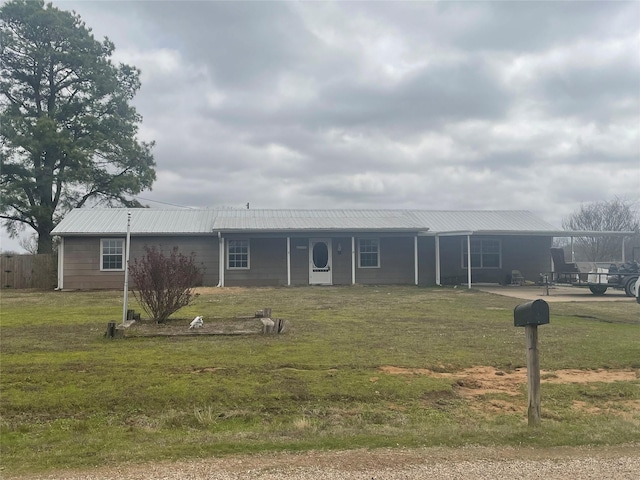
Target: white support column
573, 253
353, 260
415, 256
221, 261
623, 259
61, 264
438, 280
289, 261
469, 259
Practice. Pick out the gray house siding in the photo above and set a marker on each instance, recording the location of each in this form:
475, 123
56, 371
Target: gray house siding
397, 265
82, 257
205, 249
341, 261
82, 266
268, 260
299, 261
528, 254
426, 261
267, 263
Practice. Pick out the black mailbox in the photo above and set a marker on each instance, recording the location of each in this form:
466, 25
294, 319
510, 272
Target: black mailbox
531, 313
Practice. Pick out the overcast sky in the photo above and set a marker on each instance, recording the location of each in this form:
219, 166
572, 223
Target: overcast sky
418, 105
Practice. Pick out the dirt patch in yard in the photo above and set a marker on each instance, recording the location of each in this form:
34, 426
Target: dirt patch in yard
478, 381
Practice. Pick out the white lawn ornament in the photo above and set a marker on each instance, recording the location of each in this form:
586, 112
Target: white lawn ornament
196, 323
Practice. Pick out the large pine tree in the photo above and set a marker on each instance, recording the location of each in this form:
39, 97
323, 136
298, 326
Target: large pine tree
69, 134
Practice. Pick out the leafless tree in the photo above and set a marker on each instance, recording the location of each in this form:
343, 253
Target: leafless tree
29, 244
615, 215
163, 284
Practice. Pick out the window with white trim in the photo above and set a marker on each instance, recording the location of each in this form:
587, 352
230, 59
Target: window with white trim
485, 253
238, 254
368, 253
112, 254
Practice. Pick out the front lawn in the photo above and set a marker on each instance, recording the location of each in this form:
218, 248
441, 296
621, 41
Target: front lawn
359, 367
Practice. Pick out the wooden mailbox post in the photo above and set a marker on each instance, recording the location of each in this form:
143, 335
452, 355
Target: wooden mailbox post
530, 315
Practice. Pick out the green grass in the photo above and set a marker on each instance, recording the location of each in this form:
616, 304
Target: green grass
71, 398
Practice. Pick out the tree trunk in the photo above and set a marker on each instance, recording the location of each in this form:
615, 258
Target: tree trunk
45, 240
45, 243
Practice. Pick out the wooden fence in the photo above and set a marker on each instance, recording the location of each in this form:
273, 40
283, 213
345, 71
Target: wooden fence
29, 271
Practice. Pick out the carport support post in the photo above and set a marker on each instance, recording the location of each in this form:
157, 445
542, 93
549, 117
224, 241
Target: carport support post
469, 260
533, 375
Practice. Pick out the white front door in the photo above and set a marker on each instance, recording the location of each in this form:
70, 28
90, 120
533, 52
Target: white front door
320, 261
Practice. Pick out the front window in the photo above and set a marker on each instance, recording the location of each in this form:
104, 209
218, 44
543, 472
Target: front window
485, 253
238, 254
368, 253
112, 254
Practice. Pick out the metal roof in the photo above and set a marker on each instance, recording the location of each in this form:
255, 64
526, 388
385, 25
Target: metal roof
86, 221
442, 221
89, 221
296, 220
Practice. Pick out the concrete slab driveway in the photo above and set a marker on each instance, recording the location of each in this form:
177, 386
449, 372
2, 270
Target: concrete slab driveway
556, 293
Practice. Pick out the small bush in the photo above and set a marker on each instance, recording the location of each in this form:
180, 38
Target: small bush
164, 283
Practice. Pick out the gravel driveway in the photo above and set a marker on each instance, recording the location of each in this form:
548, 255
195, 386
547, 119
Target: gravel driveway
619, 463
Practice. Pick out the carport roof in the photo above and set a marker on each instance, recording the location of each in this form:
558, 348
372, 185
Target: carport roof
113, 221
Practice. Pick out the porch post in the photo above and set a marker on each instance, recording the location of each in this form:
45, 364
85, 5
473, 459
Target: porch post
438, 280
61, 264
573, 253
221, 260
288, 261
126, 270
353, 260
469, 259
415, 256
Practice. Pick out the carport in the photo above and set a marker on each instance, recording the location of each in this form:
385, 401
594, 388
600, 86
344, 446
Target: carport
623, 235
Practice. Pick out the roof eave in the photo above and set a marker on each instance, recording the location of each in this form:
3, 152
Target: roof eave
538, 233
320, 230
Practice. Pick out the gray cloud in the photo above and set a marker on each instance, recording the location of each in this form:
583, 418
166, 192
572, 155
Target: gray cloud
532, 25
597, 93
451, 105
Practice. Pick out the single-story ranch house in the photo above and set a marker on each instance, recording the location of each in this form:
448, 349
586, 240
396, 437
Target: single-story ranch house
308, 247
